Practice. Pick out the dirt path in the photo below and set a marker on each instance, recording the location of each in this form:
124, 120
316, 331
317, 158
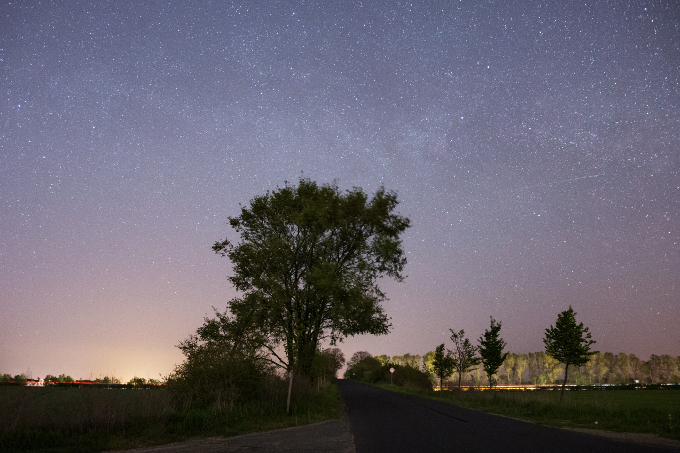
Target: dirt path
330, 436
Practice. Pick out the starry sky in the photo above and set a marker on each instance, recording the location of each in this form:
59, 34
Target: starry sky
534, 145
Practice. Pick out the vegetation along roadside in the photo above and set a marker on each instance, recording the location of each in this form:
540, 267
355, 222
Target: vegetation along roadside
54, 419
633, 410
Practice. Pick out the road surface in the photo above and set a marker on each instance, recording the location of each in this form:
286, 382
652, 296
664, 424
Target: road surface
383, 421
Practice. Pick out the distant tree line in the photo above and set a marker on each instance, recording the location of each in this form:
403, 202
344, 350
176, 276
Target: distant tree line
8, 379
67, 381
567, 357
539, 368
383, 369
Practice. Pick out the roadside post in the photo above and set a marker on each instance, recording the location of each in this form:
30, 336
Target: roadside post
391, 375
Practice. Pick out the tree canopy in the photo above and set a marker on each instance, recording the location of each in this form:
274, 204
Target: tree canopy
464, 354
568, 342
308, 262
443, 364
491, 347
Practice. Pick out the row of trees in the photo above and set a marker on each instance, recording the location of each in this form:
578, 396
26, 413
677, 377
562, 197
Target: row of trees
19, 379
541, 369
463, 357
567, 355
364, 367
50, 379
22, 378
601, 368
567, 343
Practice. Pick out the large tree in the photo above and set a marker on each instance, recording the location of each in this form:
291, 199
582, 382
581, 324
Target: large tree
491, 347
308, 263
568, 342
463, 354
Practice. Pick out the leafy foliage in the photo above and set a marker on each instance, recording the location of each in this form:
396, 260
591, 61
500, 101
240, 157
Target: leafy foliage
222, 368
357, 357
405, 376
327, 363
363, 367
568, 342
308, 264
366, 368
443, 364
491, 347
463, 354
428, 360
383, 359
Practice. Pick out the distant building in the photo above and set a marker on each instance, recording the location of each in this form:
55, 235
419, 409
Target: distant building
35, 382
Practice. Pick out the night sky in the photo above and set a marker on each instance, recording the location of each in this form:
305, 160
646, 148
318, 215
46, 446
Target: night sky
533, 145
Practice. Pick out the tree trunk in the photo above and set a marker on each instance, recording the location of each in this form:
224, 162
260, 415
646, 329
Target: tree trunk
290, 389
564, 384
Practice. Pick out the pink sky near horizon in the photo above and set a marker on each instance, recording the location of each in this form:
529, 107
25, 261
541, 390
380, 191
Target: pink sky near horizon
533, 146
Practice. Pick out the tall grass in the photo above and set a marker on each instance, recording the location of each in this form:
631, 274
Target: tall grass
80, 419
638, 411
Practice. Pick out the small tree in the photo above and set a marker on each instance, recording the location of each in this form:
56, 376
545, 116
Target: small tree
137, 381
521, 363
491, 349
326, 365
363, 367
20, 379
568, 342
443, 364
383, 359
336, 359
49, 379
464, 354
225, 363
509, 364
358, 357
428, 361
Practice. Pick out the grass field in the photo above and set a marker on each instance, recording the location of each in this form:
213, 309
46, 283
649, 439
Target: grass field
635, 411
80, 419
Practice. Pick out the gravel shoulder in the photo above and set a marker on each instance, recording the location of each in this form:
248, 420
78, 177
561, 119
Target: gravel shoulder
636, 438
330, 436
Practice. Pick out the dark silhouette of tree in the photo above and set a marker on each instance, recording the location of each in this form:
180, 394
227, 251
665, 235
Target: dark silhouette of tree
336, 357
308, 263
358, 357
223, 365
568, 342
443, 364
363, 366
463, 354
332, 360
491, 349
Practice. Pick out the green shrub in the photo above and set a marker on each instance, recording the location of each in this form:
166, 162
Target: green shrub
218, 379
367, 369
409, 377
370, 370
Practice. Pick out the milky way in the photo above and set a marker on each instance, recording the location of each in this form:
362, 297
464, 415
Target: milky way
533, 145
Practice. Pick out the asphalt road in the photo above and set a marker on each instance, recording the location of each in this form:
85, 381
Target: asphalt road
383, 421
